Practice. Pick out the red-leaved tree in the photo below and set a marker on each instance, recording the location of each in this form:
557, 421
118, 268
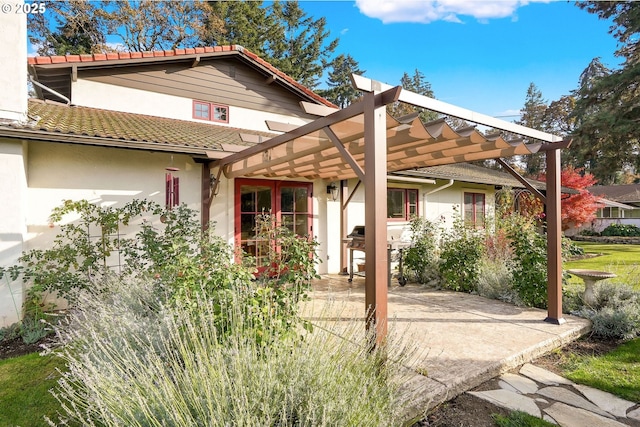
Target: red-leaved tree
580, 208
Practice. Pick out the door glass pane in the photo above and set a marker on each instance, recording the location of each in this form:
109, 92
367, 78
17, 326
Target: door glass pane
254, 200
288, 221
286, 199
247, 226
302, 200
302, 225
264, 199
247, 201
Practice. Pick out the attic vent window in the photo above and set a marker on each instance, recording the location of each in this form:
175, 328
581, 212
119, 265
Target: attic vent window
210, 111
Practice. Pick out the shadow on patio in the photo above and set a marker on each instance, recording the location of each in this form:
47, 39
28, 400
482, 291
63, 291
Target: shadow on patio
462, 340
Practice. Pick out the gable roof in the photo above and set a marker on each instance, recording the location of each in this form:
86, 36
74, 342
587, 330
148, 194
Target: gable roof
63, 123
628, 193
52, 68
467, 172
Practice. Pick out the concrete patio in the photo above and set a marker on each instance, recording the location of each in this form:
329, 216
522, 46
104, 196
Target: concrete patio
462, 340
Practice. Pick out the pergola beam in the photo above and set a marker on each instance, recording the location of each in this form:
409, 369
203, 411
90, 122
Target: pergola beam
345, 153
523, 181
365, 84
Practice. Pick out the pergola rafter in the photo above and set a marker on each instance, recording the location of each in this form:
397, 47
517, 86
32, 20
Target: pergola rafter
363, 141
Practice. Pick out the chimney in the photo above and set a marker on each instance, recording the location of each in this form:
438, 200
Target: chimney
13, 61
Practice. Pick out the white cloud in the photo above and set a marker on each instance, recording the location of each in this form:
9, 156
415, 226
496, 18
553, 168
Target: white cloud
508, 114
425, 11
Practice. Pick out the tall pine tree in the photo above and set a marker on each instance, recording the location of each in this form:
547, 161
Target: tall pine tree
607, 137
341, 91
532, 116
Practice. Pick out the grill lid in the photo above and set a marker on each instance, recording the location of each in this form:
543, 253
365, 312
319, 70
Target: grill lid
357, 232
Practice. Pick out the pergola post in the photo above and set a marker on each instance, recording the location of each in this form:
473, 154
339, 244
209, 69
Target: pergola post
554, 236
375, 174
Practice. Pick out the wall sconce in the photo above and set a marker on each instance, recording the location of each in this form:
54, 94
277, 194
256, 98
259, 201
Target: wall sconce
333, 190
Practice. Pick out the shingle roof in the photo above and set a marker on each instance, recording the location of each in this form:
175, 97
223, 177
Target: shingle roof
619, 193
84, 124
471, 173
110, 58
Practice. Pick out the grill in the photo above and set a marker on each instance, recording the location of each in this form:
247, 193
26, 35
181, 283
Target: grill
397, 246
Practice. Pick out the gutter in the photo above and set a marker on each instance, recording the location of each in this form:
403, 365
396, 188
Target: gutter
435, 190
38, 135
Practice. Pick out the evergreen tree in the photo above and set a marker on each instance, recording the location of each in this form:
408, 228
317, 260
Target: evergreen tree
532, 116
341, 91
607, 136
416, 83
299, 49
244, 23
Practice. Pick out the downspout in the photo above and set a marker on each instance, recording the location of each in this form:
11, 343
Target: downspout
41, 86
435, 190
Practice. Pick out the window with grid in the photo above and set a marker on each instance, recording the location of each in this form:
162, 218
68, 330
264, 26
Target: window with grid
211, 112
474, 209
402, 203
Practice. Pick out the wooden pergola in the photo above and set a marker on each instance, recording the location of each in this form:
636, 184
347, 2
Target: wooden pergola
363, 141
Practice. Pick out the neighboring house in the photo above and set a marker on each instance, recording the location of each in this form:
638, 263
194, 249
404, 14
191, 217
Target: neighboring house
621, 205
115, 127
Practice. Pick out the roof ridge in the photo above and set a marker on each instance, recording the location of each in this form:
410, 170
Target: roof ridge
108, 56
114, 56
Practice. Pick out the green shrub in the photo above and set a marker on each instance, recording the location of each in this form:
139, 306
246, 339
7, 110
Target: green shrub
135, 367
169, 249
495, 282
529, 269
616, 313
461, 252
624, 230
421, 259
570, 249
589, 232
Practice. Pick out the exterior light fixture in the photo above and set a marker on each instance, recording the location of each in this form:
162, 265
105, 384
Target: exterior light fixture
333, 190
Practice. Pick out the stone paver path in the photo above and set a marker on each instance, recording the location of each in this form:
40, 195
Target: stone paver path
546, 395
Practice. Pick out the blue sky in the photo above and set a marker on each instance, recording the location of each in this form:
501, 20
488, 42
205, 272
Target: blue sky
480, 55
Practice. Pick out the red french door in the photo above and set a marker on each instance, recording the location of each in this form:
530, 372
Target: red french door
290, 202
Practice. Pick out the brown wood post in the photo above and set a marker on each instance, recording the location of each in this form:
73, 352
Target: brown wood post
375, 171
344, 269
554, 243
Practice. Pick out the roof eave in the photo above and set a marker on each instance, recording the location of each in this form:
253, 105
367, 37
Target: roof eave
45, 136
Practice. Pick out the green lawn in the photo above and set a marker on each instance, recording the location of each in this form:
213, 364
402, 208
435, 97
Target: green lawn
623, 260
24, 390
617, 372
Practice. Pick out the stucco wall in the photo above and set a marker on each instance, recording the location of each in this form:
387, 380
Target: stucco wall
54, 172
13, 210
117, 98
